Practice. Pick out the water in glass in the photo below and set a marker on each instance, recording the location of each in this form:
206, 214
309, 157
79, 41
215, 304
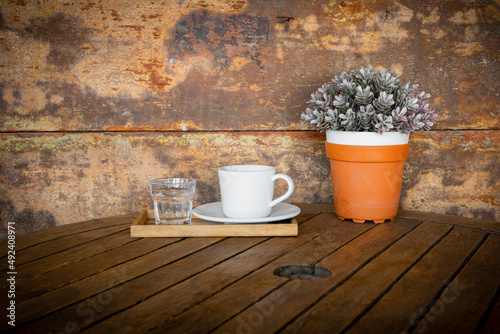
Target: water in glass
172, 200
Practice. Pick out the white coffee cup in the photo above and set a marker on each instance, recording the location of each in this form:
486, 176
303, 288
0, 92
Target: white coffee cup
247, 190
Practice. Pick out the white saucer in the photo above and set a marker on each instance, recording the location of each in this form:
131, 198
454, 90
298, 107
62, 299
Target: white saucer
213, 212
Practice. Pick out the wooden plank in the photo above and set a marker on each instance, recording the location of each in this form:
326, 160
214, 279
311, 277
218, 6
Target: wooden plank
89, 266
144, 226
334, 312
202, 286
45, 249
294, 296
31, 270
202, 229
404, 302
463, 303
212, 312
57, 232
493, 321
483, 224
28, 273
105, 286
65, 296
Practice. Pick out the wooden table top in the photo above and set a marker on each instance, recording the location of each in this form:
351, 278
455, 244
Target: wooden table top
421, 273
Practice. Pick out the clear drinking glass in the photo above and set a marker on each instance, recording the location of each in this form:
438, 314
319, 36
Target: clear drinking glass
173, 199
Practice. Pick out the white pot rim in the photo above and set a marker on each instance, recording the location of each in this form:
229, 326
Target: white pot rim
366, 138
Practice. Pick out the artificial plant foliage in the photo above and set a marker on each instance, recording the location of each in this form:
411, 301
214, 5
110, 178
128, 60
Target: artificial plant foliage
368, 100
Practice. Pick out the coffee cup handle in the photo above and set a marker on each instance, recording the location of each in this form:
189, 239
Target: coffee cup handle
291, 188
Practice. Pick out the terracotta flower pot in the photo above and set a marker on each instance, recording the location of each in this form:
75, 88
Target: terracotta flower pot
367, 173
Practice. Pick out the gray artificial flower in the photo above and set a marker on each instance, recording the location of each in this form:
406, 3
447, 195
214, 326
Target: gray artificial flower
369, 100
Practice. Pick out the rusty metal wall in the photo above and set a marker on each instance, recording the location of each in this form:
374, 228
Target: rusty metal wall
97, 97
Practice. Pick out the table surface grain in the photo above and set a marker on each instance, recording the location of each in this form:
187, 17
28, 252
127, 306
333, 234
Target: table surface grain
421, 273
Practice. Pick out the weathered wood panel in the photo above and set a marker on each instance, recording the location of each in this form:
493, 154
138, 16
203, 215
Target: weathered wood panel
234, 64
454, 172
59, 178
73, 177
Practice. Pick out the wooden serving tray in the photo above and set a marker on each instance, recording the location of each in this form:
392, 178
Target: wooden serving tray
144, 226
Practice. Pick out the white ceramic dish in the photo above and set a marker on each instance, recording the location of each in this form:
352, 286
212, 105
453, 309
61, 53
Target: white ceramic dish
213, 212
